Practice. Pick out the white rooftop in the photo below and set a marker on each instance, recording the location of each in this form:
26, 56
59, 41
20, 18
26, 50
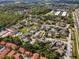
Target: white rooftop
5, 35
64, 13
57, 13
3, 32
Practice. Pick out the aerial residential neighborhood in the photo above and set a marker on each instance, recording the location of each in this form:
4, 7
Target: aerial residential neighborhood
10, 49
39, 30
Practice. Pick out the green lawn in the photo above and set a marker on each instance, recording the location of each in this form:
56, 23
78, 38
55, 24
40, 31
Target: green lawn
74, 46
24, 30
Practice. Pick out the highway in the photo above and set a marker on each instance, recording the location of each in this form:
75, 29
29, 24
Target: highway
76, 24
76, 15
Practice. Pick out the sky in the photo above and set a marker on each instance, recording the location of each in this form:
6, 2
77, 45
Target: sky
35, 0
7, 0
39, 0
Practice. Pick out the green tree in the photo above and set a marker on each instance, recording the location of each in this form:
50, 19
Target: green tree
7, 57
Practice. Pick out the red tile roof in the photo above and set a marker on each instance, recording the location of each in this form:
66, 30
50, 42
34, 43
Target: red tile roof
11, 45
3, 53
28, 53
22, 50
2, 42
35, 56
11, 53
43, 57
17, 56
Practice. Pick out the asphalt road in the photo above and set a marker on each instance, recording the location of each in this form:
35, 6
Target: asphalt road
76, 24
76, 14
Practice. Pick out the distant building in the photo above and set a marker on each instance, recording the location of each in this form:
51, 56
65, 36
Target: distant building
57, 13
59, 47
22, 53
64, 13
